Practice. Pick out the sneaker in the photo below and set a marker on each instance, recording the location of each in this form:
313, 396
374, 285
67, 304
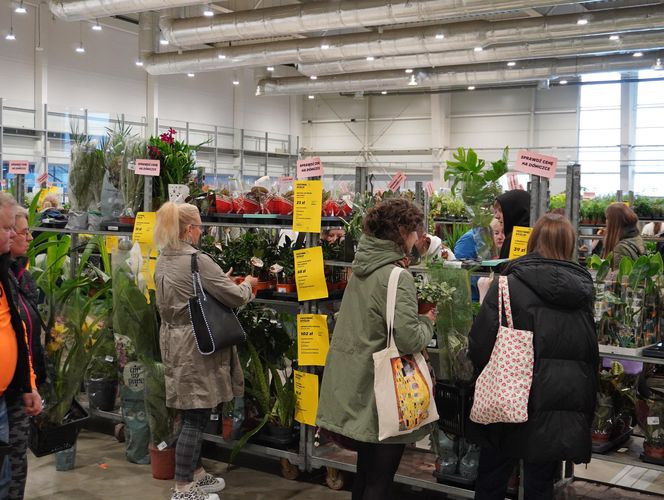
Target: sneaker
210, 484
193, 493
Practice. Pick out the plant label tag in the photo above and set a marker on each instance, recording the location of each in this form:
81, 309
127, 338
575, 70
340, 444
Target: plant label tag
109, 359
177, 193
653, 420
214, 416
147, 167
533, 163
162, 446
309, 167
519, 245
429, 188
42, 178
19, 167
397, 181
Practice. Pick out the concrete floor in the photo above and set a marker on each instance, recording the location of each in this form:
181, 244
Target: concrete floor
102, 473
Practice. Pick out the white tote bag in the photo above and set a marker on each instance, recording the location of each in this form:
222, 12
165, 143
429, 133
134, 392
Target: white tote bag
402, 384
503, 388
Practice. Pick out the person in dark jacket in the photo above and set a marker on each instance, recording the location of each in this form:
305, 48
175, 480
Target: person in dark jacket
552, 297
623, 237
513, 209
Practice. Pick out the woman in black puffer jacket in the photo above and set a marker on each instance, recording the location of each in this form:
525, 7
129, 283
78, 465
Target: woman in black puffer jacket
552, 297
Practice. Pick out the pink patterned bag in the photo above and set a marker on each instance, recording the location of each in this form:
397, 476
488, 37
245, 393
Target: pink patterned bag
503, 388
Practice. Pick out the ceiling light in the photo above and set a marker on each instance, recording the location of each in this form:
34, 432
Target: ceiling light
313, 77
10, 36
471, 87
582, 22
614, 38
208, 12
562, 82
478, 49
163, 41
384, 92
221, 56
96, 26
440, 36
370, 58
236, 82
658, 64
270, 68
412, 82
637, 54
21, 9
191, 75
511, 64
311, 97
409, 71
324, 46
139, 63
80, 49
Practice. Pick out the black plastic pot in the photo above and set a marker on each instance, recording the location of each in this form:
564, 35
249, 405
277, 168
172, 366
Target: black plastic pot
102, 393
46, 439
280, 432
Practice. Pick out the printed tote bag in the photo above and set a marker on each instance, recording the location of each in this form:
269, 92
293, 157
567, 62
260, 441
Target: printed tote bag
402, 384
503, 387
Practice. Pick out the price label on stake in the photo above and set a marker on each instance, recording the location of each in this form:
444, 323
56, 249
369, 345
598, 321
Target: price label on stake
313, 339
147, 167
397, 181
519, 244
307, 204
144, 228
19, 167
42, 178
306, 397
429, 188
310, 274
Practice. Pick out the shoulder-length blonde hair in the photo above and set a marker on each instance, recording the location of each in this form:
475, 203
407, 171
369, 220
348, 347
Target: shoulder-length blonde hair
553, 237
618, 218
172, 222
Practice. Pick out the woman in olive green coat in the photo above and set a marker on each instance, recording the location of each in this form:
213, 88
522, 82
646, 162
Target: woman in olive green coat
347, 404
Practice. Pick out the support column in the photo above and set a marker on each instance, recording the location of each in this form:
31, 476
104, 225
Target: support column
628, 99
440, 136
41, 87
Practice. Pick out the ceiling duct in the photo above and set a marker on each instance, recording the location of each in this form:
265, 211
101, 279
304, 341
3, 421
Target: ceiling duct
77, 10
458, 36
555, 48
321, 16
457, 76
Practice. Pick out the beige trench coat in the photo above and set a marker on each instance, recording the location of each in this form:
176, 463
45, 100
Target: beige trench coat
193, 380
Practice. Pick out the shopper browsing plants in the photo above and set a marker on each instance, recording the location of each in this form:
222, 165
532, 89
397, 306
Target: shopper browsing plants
622, 234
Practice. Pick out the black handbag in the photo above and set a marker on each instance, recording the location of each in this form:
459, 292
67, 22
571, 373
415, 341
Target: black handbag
215, 324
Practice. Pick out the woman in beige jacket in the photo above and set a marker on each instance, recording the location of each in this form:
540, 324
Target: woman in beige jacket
195, 384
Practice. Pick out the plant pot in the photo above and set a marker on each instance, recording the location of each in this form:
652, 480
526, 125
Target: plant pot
124, 219
279, 431
227, 429
46, 439
286, 287
244, 205
162, 463
600, 437
653, 451
264, 285
66, 459
223, 204
102, 393
278, 205
425, 307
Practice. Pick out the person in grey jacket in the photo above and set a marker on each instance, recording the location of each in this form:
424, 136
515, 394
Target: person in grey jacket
195, 384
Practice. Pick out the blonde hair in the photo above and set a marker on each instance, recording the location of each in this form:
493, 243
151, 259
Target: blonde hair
50, 201
172, 222
7, 200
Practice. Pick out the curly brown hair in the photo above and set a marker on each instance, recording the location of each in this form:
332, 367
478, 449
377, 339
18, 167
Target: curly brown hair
385, 220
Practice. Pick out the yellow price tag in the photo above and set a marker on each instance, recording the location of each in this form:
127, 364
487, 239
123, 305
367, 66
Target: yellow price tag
307, 206
112, 243
144, 228
306, 397
310, 274
519, 244
313, 339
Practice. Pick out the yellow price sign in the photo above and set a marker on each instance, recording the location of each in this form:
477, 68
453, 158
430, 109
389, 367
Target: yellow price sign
306, 397
307, 206
144, 228
313, 339
112, 243
519, 244
310, 274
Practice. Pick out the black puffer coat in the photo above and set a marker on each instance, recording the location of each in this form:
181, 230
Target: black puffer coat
553, 299
515, 205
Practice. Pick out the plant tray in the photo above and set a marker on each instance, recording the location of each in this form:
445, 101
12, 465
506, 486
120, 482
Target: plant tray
625, 351
651, 460
45, 441
612, 443
453, 403
275, 442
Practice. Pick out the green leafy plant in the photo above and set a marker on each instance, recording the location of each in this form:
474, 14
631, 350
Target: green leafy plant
557, 201
469, 169
121, 149
86, 172
453, 233
283, 411
432, 292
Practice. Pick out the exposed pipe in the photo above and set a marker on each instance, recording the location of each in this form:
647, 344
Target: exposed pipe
458, 36
454, 76
145, 36
652, 40
77, 10
321, 16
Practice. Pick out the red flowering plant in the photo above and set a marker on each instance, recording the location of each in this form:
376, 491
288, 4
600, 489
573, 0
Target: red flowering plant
177, 160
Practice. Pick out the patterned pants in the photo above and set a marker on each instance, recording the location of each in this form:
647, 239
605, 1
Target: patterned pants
19, 433
190, 441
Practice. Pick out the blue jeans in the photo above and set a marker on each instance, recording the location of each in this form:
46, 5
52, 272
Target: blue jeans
5, 473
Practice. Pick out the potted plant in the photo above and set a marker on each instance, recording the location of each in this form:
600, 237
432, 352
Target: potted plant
284, 268
281, 421
86, 176
161, 421
101, 378
650, 413
429, 294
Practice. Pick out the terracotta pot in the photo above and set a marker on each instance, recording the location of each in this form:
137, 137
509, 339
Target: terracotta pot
425, 307
264, 285
653, 451
223, 204
600, 437
162, 463
227, 429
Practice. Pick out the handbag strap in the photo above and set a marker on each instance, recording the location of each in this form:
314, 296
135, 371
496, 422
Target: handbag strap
392, 285
504, 299
196, 277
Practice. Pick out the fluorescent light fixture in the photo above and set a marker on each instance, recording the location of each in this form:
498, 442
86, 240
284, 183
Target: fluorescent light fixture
637, 54
511, 64
163, 41
478, 49
582, 22
270, 68
383, 92
208, 12
221, 56
562, 82
409, 71
10, 36
80, 49
139, 63
313, 77
440, 36
471, 87
370, 58
236, 82
21, 9
324, 46
412, 82
191, 75
96, 26
614, 38
311, 97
